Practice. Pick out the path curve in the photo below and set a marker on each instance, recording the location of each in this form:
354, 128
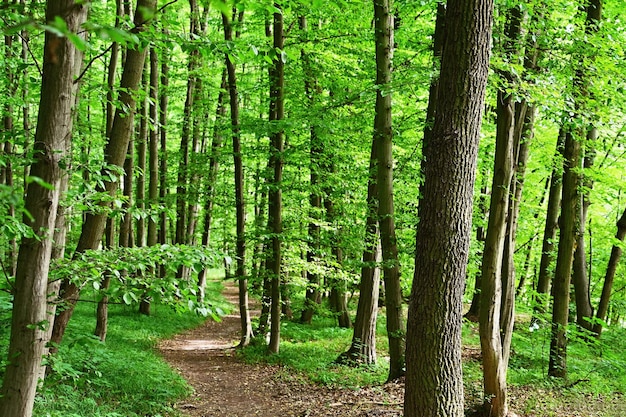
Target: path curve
225, 386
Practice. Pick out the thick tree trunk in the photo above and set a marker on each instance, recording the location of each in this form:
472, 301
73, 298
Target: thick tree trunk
114, 154
616, 253
383, 140
434, 384
277, 111
54, 126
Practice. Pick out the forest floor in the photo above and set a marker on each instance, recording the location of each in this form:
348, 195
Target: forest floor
225, 386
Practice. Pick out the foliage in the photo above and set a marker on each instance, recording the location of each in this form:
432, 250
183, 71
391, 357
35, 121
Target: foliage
125, 376
137, 274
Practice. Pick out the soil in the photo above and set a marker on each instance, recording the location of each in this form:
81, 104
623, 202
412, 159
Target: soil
225, 386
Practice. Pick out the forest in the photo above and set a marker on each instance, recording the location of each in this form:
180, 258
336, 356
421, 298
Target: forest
357, 197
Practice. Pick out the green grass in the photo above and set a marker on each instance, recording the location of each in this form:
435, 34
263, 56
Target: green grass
310, 351
124, 377
595, 386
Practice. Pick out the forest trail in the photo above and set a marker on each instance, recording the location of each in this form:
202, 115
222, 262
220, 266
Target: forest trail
225, 386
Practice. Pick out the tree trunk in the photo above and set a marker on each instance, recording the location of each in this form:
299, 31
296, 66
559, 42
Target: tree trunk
163, 101
114, 154
311, 88
277, 112
153, 146
141, 144
240, 191
570, 210
338, 298
29, 320
183, 162
549, 234
383, 140
616, 253
363, 347
214, 160
434, 384
497, 285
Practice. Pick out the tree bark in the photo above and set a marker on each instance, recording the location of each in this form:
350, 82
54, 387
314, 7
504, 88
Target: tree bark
434, 384
114, 154
29, 320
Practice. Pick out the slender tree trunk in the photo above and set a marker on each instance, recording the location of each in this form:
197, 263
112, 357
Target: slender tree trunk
313, 295
275, 223
383, 140
114, 153
240, 191
153, 146
338, 297
549, 234
141, 144
363, 347
214, 160
61, 64
570, 212
163, 102
616, 253
580, 278
184, 152
434, 384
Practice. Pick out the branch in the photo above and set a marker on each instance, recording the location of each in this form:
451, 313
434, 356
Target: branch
100, 55
30, 52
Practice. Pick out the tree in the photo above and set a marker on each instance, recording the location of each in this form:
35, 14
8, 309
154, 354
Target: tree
383, 140
114, 155
616, 253
62, 62
570, 211
497, 284
240, 203
274, 216
434, 385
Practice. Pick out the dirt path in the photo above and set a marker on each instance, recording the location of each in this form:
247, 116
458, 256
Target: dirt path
227, 387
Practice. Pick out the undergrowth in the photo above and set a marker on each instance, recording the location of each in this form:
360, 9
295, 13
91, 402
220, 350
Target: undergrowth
124, 377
